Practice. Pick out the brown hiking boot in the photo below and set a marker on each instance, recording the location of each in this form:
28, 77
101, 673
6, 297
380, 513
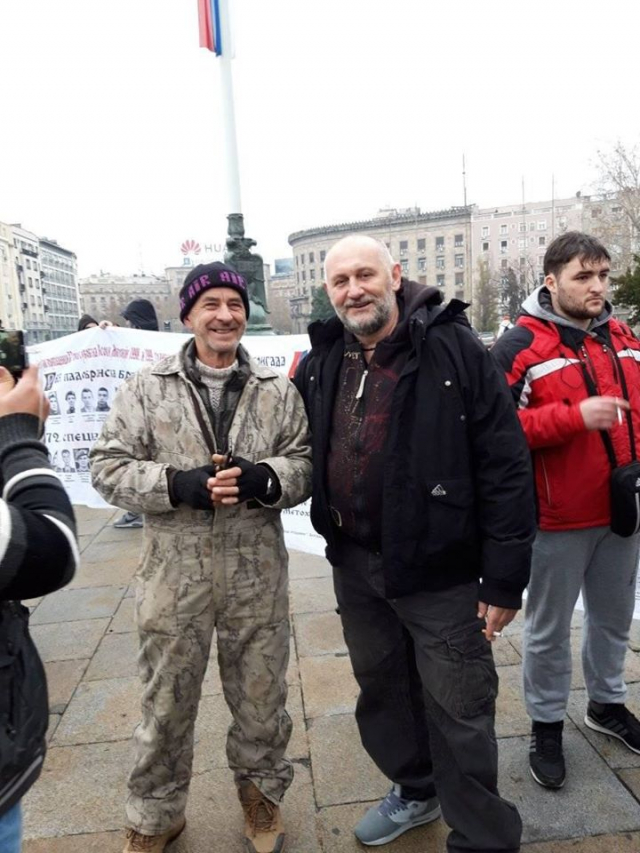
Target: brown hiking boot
139, 843
263, 827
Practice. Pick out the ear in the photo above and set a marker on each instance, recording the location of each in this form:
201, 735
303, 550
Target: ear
551, 283
187, 322
396, 276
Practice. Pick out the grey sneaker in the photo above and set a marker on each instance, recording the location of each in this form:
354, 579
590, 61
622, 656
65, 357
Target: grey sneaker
394, 816
129, 520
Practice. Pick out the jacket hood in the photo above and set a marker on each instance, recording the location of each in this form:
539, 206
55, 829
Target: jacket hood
141, 314
538, 304
85, 321
414, 301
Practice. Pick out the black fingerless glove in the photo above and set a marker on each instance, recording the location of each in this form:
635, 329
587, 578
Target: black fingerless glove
190, 487
257, 482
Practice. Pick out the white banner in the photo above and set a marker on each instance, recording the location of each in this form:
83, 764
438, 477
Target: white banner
81, 374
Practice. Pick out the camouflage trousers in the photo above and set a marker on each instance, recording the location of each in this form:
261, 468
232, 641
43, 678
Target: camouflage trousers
177, 610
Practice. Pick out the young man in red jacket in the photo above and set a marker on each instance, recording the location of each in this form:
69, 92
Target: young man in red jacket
574, 371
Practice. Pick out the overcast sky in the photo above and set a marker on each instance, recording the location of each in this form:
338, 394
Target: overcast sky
110, 134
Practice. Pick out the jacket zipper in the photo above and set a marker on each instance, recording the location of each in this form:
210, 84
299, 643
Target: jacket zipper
546, 479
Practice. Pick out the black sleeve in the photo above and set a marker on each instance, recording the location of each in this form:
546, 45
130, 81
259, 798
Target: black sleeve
38, 549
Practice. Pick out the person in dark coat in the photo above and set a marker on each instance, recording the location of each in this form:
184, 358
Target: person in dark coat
140, 314
38, 554
87, 322
422, 488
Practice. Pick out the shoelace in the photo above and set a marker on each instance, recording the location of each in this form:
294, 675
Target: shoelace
391, 804
548, 743
261, 814
140, 842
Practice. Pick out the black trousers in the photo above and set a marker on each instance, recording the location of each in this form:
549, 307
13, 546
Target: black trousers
426, 709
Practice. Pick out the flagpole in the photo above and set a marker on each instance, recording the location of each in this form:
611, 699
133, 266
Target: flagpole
232, 167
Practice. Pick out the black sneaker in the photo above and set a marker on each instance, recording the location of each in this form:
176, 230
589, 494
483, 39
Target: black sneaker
546, 760
614, 720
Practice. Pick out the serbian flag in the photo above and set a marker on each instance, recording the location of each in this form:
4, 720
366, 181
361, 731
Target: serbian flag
209, 24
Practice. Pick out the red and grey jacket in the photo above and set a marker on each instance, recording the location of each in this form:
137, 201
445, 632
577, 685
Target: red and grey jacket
544, 358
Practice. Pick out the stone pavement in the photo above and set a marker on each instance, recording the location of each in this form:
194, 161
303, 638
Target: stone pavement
86, 636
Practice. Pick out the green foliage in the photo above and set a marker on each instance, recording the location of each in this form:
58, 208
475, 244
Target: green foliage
627, 291
485, 308
321, 307
513, 293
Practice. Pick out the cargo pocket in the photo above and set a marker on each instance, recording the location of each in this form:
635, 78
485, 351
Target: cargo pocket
477, 681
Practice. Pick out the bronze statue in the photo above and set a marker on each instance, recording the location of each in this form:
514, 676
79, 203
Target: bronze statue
251, 266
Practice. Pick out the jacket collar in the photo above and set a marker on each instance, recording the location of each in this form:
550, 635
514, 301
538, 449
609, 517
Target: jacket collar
183, 362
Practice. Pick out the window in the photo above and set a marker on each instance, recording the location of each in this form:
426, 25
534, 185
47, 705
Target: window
542, 241
522, 227
485, 230
485, 247
504, 229
439, 244
404, 247
304, 275
458, 261
422, 264
302, 259
541, 278
504, 263
460, 294
542, 225
532, 226
440, 280
311, 258
405, 266
503, 246
522, 242
422, 244
595, 212
458, 240
312, 275
459, 279
439, 263
523, 262
28, 264
323, 255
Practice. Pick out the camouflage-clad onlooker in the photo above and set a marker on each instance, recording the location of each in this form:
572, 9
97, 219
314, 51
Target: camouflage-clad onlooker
210, 446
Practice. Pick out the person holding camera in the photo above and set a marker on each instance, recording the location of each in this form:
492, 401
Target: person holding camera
574, 373
38, 554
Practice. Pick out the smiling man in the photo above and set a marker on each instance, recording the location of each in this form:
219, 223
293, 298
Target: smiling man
210, 446
422, 490
574, 373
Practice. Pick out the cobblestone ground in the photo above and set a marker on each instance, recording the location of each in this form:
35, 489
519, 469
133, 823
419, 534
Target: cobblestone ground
86, 636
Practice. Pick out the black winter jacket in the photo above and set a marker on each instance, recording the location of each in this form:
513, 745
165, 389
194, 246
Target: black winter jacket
458, 497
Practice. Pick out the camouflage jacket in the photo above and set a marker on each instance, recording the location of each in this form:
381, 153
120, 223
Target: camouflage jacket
152, 426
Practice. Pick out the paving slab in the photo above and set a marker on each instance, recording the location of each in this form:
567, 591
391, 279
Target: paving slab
611, 749
511, 716
117, 572
628, 842
342, 770
115, 657
312, 595
81, 790
631, 778
100, 842
319, 634
593, 801
101, 711
303, 565
85, 540
336, 832
505, 653
73, 605
329, 686
119, 535
69, 640
123, 620
63, 676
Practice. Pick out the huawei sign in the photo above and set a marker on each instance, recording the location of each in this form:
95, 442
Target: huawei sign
190, 247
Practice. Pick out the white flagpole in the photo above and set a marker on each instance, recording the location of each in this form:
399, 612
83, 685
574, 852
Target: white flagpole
228, 112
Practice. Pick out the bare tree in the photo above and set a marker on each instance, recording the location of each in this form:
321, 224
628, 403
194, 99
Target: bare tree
486, 299
615, 212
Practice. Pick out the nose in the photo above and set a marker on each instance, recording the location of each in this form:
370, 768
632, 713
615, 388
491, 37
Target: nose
354, 289
224, 313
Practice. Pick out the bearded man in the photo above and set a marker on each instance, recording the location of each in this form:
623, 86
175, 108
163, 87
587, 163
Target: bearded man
422, 490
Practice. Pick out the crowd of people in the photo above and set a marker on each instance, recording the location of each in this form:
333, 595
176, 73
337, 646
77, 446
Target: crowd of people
445, 478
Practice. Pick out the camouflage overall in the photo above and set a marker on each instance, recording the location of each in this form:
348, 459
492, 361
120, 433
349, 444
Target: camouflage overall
201, 571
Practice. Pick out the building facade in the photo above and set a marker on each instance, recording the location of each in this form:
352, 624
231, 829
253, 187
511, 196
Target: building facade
59, 276
104, 296
11, 316
433, 248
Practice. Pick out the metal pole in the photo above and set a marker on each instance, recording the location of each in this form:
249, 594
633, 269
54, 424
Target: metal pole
232, 167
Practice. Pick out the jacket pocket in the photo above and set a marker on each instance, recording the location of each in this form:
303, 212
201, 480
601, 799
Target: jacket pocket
449, 510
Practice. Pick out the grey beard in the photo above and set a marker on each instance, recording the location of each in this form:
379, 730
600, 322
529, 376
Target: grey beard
365, 328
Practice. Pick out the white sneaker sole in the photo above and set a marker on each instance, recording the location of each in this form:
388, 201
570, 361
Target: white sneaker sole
429, 817
598, 728
544, 784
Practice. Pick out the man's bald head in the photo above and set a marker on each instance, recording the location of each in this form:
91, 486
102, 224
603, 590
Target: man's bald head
354, 243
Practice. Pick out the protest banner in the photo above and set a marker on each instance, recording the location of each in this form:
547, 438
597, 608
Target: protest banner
81, 374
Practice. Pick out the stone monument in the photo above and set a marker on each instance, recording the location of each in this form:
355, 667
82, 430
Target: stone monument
251, 267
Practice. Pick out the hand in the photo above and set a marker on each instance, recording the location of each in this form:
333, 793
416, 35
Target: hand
190, 487
25, 397
242, 482
496, 618
603, 412
104, 324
